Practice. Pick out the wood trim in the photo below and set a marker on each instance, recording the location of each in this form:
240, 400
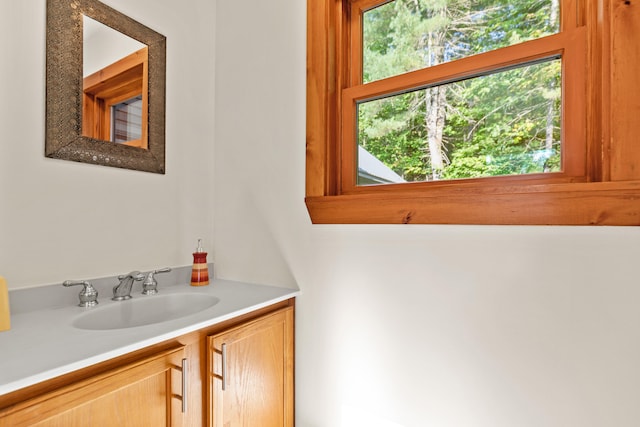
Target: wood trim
574, 105
468, 67
122, 80
625, 87
610, 151
597, 92
289, 368
560, 204
95, 82
354, 27
320, 87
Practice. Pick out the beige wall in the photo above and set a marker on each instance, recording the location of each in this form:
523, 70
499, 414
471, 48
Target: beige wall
62, 220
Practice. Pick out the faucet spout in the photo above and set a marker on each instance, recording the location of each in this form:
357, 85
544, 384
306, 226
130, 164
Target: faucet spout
122, 291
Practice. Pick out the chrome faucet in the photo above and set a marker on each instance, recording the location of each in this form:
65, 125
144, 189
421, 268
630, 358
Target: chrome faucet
122, 291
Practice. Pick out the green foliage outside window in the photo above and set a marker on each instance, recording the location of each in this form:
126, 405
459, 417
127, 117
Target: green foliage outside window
504, 123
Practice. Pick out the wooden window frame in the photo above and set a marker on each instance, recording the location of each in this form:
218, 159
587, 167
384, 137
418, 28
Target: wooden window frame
600, 184
118, 82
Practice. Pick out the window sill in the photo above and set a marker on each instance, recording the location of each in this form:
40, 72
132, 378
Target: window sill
601, 203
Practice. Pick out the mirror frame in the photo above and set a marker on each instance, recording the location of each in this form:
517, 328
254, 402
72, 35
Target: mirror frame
64, 89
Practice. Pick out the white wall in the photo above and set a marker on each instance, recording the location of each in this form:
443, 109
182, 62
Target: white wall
411, 326
102, 46
397, 326
62, 220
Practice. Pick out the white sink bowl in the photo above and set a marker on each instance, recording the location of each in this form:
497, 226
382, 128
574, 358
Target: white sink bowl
144, 310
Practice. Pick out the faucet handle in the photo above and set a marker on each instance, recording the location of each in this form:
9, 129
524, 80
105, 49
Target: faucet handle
135, 275
150, 284
88, 295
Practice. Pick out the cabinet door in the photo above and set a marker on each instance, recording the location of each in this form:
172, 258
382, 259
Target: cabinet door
143, 393
251, 373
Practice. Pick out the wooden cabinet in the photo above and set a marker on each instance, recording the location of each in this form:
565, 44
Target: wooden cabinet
143, 393
250, 370
145, 388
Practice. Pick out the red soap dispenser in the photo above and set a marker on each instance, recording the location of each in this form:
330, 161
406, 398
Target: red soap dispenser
200, 272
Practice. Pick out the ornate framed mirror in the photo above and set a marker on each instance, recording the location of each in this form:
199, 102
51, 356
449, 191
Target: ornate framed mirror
112, 116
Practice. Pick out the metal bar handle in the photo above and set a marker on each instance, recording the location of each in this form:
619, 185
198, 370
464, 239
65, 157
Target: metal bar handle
185, 370
224, 367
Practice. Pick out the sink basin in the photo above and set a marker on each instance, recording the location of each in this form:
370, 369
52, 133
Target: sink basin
141, 311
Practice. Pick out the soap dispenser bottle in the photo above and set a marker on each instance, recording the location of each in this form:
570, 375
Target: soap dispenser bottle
200, 272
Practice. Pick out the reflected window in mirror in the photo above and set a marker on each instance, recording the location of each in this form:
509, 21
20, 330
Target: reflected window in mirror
115, 86
120, 87
126, 121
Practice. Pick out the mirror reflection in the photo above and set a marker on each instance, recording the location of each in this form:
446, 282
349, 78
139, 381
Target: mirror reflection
115, 75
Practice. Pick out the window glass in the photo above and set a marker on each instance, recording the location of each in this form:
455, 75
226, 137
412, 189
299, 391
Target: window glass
503, 123
126, 120
406, 35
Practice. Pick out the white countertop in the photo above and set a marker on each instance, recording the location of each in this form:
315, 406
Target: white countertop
43, 344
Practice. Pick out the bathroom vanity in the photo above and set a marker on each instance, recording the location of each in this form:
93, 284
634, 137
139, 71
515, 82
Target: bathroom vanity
229, 363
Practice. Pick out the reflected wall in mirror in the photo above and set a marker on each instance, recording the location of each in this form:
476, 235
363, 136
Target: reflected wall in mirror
105, 87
